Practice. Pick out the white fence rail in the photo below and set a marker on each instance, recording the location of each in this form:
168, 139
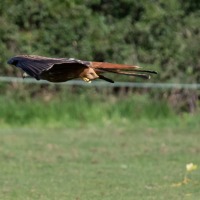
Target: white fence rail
195, 86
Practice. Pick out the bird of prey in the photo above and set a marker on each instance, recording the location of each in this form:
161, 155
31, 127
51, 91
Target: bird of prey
64, 69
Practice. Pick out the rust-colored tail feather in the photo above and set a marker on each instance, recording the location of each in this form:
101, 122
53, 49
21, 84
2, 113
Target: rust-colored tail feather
128, 73
106, 65
122, 69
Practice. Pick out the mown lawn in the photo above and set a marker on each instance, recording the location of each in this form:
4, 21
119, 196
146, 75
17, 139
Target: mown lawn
112, 161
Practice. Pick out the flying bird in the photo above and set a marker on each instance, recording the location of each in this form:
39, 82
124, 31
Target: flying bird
64, 69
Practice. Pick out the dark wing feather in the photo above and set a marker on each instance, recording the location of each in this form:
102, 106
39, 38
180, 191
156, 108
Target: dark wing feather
67, 66
35, 66
63, 72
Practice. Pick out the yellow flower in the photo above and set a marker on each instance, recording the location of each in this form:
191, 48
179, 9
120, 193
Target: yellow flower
190, 167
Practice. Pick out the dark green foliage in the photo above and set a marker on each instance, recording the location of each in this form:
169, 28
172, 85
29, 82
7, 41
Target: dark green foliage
160, 34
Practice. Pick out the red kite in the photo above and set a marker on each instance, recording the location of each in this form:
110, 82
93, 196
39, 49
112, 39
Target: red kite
64, 69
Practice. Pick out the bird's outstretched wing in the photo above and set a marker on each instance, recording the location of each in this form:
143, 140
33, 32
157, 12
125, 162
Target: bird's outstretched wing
51, 69
64, 69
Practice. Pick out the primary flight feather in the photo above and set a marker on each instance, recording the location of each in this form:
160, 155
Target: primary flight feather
64, 69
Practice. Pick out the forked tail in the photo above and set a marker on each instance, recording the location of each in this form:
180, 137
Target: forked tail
122, 69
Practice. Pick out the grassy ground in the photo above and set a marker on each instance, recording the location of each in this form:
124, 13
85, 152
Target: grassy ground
72, 110
144, 159
91, 146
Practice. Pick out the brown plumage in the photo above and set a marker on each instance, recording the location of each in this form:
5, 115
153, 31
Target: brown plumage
64, 69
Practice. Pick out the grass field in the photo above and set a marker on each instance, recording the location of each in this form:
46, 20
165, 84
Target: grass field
82, 147
123, 161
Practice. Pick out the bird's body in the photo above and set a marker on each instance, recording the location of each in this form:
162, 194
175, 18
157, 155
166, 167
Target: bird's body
64, 69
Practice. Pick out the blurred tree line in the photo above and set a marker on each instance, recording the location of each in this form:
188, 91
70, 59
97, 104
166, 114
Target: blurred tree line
161, 34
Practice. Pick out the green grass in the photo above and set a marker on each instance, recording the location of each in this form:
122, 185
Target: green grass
72, 110
91, 146
140, 160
